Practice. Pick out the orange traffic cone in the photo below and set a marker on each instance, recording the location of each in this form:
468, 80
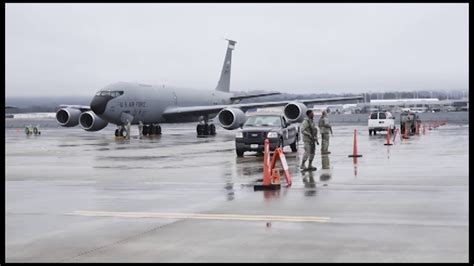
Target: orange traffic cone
388, 137
271, 175
354, 153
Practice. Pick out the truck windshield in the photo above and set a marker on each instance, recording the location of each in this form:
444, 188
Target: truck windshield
267, 120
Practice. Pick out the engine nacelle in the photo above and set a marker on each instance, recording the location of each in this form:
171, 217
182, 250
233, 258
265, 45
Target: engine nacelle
295, 111
231, 118
68, 117
91, 122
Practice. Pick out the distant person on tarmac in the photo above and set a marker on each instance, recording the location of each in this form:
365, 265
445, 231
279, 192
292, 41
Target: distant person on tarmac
325, 129
310, 137
140, 128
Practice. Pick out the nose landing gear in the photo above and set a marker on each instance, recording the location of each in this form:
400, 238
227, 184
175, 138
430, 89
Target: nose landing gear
123, 132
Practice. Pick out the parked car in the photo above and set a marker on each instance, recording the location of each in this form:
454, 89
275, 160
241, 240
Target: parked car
260, 126
380, 121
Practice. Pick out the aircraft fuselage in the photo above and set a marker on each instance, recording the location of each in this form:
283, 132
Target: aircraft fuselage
146, 103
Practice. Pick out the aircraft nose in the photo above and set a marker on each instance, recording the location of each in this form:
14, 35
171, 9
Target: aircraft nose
98, 104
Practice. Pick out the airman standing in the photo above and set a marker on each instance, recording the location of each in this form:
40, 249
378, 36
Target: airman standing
310, 137
325, 129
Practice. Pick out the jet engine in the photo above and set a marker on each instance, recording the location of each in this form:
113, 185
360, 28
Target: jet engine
231, 118
295, 111
68, 117
91, 122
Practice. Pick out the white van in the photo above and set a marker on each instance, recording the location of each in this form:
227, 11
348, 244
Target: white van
380, 121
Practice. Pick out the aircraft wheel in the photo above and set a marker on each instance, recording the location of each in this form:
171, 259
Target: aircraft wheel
212, 129
202, 130
158, 130
199, 129
206, 129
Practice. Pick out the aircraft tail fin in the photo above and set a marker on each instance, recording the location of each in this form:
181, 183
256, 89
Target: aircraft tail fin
224, 80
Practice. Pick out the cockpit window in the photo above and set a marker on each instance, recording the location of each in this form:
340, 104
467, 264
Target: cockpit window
109, 93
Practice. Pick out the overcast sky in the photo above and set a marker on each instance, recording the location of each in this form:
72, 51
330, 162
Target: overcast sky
76, 49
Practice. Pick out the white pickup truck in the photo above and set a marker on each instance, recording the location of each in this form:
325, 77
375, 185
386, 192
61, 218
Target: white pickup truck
380, 121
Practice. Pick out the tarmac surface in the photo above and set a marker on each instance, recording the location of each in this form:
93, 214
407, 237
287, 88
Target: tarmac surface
77, 196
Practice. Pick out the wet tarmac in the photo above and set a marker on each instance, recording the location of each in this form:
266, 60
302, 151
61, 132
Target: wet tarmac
76, 196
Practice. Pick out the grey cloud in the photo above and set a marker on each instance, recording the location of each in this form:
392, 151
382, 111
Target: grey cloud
75, 49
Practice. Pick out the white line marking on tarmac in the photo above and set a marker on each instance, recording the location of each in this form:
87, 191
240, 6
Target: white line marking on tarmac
239, 217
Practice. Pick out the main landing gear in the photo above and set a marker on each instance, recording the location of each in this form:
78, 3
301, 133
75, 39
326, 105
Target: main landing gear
149, 129
143, 129
204, 128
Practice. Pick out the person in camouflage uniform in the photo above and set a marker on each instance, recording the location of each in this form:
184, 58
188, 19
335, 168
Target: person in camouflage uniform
310, 137
325, 128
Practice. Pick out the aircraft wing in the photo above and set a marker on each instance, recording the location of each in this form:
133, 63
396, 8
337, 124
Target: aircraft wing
246, 96
174, 112
82, 108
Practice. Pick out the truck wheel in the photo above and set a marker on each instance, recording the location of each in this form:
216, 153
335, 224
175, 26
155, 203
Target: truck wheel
370, 132
240, 153
375, 132
294, 146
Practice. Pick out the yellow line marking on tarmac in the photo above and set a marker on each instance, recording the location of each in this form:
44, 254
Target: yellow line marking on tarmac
240, 217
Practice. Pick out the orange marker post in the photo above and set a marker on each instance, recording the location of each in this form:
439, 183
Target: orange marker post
388, 137
354, 150
405, 133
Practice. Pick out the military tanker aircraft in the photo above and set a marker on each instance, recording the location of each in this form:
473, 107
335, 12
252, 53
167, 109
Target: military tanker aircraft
125, 103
